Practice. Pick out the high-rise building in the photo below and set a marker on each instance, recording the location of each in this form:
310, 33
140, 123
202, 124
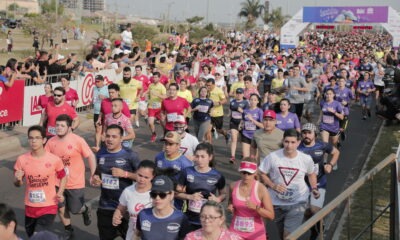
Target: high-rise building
91, 5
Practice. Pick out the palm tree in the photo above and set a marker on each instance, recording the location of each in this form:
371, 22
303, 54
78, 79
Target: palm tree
276, 18
251, 9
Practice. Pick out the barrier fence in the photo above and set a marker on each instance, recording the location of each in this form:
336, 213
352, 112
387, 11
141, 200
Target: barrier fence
19, 103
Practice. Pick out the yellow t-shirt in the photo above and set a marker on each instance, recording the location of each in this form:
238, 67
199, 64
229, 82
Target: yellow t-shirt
186, 95
155, 102
217, 95
277, 83
235, 86
129, 92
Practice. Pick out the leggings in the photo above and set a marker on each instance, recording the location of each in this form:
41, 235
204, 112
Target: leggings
201, 128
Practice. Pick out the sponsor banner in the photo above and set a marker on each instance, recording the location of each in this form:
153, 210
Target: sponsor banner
11, 101
290, 31
32, 111
361, 14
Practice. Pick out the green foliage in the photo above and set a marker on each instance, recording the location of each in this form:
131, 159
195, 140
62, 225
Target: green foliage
194, 19
276, 18
51, 7
13, 7
251, 9
108, 28
141, 32
197, 34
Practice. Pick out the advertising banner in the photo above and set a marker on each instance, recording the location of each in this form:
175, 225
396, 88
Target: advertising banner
362, 14
11, 101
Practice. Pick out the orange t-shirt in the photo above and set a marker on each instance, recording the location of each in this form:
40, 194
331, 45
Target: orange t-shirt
71, 149
41, 178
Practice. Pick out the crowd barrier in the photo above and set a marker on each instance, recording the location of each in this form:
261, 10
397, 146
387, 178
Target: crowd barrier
19, 103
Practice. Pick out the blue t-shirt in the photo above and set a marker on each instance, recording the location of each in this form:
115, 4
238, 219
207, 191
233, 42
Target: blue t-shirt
112, 187
344, 94
329, 121
173, 227
205, 183
289, 122
203, 114
317, 154
96, 100
236, 116
250, 127
363, 86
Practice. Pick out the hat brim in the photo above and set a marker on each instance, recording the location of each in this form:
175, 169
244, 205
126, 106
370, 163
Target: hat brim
249, 170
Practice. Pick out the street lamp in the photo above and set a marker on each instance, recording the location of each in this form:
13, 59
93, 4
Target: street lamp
169, 8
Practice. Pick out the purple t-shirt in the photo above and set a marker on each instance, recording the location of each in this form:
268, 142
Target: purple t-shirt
249, 127
363, 86
344, 94
288, 122
329, 121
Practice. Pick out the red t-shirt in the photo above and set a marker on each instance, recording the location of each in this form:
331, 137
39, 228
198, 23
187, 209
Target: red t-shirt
145, 83
106, 107
53, 111
44, 100
71, 95
173, 108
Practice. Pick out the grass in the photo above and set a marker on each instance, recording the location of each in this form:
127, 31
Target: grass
376, 191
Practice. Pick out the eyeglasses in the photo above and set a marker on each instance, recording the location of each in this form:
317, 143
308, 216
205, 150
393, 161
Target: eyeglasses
162, 195
212, 218
58, 95
34, 138
245, 173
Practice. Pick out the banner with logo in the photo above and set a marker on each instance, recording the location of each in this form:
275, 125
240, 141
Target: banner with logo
11, 102
362, 14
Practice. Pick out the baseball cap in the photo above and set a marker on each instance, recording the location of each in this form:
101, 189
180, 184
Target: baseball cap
309, 127
162, 183
269, 114
239, 90
249, 167
172, 137
117, 43
99, 77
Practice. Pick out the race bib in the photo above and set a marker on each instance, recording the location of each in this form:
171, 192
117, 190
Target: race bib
202, 108
109, 182
195, 206
316, 168
236, 115
327, 119
172, 117
52, 130
156, 105
293, 92
244, 224
37, 196
286, 196
250, 126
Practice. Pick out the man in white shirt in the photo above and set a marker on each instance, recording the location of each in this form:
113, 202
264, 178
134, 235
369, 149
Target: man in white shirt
127, 38
188, 141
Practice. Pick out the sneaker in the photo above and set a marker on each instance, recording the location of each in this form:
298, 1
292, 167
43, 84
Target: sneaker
137, 123
87, 216
68, 233
364, 118
228, 137
335, 168
153, 137
232, 160
215, 133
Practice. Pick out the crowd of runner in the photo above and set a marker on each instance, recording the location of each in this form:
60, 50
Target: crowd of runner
276, 102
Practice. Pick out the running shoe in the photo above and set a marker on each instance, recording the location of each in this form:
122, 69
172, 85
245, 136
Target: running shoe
232, 160
343, 136
137, 123
87, 216
153, 137
215, 133
364, 117
68, 233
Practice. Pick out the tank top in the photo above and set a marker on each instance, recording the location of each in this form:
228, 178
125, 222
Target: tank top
247, 222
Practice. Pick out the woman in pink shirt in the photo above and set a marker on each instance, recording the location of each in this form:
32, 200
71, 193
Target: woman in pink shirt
47, 96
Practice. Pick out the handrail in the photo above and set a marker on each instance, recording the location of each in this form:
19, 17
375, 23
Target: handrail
342, 197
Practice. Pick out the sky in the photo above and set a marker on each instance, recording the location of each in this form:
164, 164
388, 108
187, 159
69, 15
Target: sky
225, 11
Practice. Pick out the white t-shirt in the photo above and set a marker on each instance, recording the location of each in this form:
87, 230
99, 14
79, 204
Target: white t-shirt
220, 70
188, 145
220, 83
289, 172
378, 80
127, 38
135, 202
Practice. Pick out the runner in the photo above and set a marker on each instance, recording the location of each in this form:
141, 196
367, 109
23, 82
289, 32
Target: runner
100, 92
283, 172
200, 183
135, 197
71, 96
42, 172
142, 107
8, 223
201, 108
188, 141
250, 203
345, 96
131, 90
156, 94
365, 89
296, 88
310, 98
285, 119
317, 149
54, 109
72, 148
116, 171
217, 111
161, 221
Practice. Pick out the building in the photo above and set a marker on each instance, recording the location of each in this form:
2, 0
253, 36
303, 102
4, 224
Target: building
24, 6
91, 5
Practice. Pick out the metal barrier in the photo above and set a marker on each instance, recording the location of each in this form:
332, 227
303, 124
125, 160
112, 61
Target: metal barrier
346, 196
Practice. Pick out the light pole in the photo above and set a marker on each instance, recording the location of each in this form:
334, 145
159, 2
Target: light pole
169, 8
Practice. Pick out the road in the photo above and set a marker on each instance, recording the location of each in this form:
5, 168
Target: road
361, 134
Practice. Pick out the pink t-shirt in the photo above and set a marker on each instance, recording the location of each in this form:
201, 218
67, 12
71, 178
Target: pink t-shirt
122, 121
225, 235
172, 109
71, 95
53, 111
145, 83
106, 107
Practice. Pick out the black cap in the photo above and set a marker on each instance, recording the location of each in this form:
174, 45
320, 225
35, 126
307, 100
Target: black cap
162, 184
239, 90
99, 77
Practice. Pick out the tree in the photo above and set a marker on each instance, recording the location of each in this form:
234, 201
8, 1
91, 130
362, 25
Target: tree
13, 7
252, 10
276, 18
194, 19
52, 7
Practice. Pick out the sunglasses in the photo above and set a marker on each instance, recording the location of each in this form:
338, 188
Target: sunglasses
246, 173
162, 195
58, 95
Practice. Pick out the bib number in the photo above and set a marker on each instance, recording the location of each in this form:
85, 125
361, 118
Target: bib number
156, 105
37, 196
286, 196
202, 108
250, 126
172, 117
195, 206
109, 182
236, 115
328, 119
52, 130
244, 224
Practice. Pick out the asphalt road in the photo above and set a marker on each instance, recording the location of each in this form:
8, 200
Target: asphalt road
361, 134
